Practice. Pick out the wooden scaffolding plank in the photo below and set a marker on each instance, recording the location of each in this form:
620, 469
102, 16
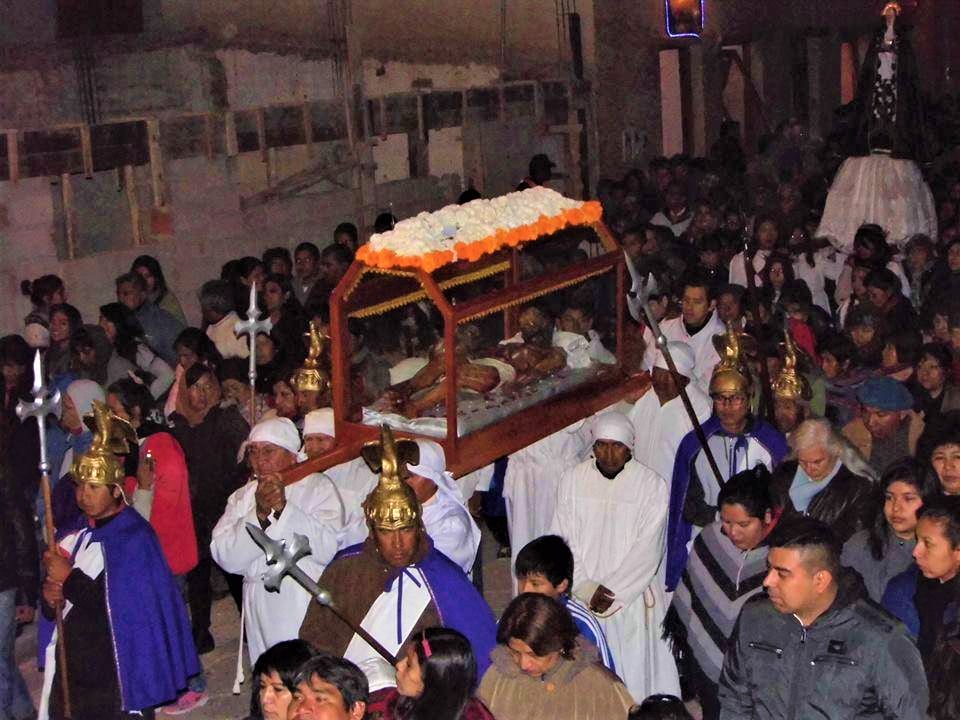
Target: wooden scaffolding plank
133, 202
156, 164
69, 214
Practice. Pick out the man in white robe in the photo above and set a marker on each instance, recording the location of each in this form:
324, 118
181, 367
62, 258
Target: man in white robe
696, 326
660, 420
445, 516
530, 484
612, 511
352, 479
309, 507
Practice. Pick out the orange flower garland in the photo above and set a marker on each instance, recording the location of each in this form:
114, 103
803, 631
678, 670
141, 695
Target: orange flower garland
588, 213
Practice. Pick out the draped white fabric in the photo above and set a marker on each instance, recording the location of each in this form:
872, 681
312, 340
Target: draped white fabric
878, 189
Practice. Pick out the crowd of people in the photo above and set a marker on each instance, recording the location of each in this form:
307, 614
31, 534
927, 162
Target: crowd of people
770, 527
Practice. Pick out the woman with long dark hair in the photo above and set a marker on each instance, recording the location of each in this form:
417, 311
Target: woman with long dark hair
726, 568
776, 274
285, 312
148, 267
813, 264
885, 548
249, 270
130, 351
935, 393
436, 680
865, 328
65, 319
765, 239
870, 247
544, 669
44, 292
900, 353
842, 376
192, 346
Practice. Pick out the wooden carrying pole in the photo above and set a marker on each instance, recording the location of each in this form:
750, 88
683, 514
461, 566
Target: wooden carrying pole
43, 404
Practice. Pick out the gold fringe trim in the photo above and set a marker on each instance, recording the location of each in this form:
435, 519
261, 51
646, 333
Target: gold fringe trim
534, 295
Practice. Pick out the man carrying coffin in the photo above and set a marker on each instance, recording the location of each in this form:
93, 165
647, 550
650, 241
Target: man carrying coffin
395, 583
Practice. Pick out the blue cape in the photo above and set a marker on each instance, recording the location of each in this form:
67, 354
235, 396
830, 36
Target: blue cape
678, 529
152, 640
458, 603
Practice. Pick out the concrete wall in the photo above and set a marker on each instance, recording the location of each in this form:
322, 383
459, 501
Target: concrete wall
155, 83
209, 228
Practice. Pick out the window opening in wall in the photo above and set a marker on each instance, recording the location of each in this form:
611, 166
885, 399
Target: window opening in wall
46, 152
556, 104
119, 144
443, 109
85, 18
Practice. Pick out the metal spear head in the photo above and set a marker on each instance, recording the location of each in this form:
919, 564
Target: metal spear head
284, 561
44, 402
253, 324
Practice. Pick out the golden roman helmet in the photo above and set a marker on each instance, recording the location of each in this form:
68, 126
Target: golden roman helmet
729, 376
790, 385
112, 437
310, 376
392, 505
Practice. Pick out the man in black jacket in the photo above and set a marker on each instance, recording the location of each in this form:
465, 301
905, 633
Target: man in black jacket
814, 647
19, 582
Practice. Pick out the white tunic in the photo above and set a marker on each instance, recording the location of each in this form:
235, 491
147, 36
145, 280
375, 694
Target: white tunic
825, 267
678, 228
616, 530
385, 624
658, 430
452, 529
701, 343
731, 459
738, 268
88, 560
530, 484
313, 509
354, 481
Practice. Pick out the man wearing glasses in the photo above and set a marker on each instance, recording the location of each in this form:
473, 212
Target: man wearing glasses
737, 440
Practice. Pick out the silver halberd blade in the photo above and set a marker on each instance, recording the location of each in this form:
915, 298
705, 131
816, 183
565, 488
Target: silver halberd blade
283, 561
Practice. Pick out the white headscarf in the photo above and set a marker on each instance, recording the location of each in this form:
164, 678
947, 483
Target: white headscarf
82, 393
614, 426
433, 466
276, 431
36, 335
683, 358
319, 422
